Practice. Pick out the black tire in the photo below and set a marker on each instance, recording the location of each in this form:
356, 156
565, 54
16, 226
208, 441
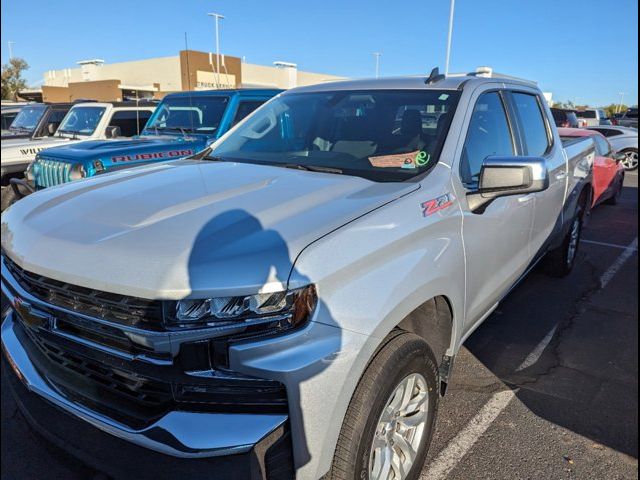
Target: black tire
613, 199
560, 262
8, 198
402, 355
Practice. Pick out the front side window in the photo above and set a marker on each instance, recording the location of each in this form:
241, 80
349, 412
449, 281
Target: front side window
488, 135
381, 135
130, 122
534, 129
81, 120
28, 118
188, 114
245, 108
602, 146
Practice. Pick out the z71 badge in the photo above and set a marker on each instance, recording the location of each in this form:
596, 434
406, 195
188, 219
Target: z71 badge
432, 206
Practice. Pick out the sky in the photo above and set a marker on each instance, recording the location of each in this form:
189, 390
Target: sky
585, 51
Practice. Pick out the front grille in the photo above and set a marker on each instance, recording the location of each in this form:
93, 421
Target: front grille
120, 394
130, 311
48, 172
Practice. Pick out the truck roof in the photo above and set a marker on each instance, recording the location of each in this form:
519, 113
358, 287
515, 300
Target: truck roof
227, 92
416, 82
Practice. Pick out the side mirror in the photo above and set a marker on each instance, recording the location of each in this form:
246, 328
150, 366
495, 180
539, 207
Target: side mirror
112, 132
619, 157
52, 128
507, 176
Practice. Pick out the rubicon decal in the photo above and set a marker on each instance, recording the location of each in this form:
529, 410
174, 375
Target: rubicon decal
432, 206
151, 156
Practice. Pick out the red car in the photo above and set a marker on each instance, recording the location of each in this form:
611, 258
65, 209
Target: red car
608, 172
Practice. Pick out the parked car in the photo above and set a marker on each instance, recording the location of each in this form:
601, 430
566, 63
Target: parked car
183, 124
8, 115
292, 303
592, 117
629, 119
624, 140
36, 120
83, 122
608, 171
565, 118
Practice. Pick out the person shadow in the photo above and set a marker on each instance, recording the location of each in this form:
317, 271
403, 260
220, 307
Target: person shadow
233, 254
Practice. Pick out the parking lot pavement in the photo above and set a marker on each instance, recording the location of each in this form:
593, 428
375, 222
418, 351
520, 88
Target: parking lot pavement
546, 388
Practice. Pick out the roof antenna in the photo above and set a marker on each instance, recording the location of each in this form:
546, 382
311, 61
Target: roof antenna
434, 76
186, 47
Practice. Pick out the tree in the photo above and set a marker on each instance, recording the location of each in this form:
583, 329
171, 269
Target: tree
12, 81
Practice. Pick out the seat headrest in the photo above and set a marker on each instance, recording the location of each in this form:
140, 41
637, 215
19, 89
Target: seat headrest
411, 123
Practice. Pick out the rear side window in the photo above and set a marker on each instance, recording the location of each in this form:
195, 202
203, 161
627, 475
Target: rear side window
245, 108
488, 135
131, 122
586, 114
534, 130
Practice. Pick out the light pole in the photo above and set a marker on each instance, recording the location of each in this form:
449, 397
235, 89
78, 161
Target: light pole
218, 17
619, 109
446, 63
377, 55
10, 49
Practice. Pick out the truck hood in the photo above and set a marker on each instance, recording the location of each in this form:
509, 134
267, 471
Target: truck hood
186, 228
129, 149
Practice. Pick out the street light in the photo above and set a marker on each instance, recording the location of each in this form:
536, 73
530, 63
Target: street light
218, 17
377, 55
451, 10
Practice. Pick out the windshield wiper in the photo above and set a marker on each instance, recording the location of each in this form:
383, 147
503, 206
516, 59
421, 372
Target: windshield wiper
311, 168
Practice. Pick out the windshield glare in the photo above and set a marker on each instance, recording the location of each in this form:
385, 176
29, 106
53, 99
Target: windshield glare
28, 118
380, 135
196, 114
81, 120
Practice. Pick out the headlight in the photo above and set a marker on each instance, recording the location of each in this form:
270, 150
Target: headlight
277, 311
77, 172
29, 173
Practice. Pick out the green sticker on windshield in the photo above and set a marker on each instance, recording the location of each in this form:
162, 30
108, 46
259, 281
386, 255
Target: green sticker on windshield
443, 97
422, 158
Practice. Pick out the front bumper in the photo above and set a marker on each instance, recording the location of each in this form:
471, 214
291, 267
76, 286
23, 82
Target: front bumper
185, 435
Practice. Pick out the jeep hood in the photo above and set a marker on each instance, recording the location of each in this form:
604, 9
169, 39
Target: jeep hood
125, 149
185, 228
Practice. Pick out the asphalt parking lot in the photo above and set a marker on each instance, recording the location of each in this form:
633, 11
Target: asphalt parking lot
546, 388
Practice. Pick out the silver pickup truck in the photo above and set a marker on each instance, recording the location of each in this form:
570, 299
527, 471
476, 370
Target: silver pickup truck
289, 303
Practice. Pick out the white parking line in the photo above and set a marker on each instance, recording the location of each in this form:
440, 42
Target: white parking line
621, 260
605, 244
535, 355
466, 438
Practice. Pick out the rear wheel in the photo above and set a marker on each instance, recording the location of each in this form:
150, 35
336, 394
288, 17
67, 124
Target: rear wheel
388, 426
630, 161
561, 260
615, 196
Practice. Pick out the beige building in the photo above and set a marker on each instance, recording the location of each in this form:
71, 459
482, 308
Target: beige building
153, 78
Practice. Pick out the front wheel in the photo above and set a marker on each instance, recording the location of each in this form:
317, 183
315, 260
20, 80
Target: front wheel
389, 422
630, 161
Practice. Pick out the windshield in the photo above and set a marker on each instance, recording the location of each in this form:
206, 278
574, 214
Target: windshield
81, 120
28, 118
196, 114
381, 135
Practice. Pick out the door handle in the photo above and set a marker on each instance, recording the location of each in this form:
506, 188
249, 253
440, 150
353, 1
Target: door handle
561, 175
526, 198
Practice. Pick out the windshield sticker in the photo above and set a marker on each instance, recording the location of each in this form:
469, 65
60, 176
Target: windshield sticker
443, 97
410, 160
432, 206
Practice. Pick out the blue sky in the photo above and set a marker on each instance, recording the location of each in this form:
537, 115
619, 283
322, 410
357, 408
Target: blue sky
586, 51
